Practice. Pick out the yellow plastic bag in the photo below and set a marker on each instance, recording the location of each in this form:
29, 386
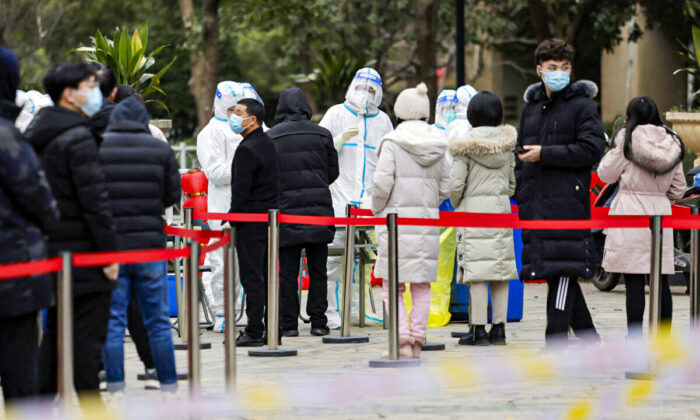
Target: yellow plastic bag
441, 290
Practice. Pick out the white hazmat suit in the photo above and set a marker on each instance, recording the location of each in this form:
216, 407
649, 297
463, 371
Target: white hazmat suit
216, 145
459, 127
30, 102
357, 125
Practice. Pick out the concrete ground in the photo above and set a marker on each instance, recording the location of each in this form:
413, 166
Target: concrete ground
519, 380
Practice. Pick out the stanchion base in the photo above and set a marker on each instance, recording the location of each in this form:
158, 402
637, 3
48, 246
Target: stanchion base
459, 334
272, 353
647, 375
433, 346
400, 363
180, 376
345, 340
202, 345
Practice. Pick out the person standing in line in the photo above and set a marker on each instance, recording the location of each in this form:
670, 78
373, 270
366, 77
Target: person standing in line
646, 160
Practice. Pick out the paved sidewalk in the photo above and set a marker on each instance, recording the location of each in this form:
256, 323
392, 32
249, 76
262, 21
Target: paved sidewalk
515, 381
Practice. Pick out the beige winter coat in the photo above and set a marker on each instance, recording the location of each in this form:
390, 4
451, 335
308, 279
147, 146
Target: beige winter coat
483, 178
412, 178
648, 185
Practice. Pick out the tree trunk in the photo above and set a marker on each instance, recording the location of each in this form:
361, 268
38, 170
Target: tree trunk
540, 21
426, 46
204, 64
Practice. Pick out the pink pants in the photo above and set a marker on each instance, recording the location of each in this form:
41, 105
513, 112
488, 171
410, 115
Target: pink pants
420, 309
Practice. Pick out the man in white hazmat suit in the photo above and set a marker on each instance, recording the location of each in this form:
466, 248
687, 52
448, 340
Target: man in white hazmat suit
460, 125
445, 110
357, 125
30, 102
216, 145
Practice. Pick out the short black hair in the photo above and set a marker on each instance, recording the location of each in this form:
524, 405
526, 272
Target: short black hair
65, 75
554, 49
485, 109
123, 92
105, 77
254, 108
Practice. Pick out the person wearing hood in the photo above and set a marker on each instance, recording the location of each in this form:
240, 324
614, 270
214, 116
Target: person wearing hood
308, 165
483, 178
142, 177
27, 212
30, 102
126, 91
250, 92
412, 179
107, 81
356, 125
561, 137
459, 126
68, 152
445, 110
646, 160
216, 145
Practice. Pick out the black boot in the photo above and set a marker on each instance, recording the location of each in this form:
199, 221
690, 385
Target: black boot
466, 339
478, 337
497, 335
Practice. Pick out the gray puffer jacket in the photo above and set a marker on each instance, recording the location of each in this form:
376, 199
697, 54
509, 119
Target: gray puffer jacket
483, 179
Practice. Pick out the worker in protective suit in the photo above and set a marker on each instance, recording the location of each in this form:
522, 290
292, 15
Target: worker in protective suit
445, 110
216, 145
250, 92
460, 125
30, 103
357, 125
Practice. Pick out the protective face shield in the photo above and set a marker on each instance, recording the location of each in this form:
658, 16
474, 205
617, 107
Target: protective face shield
464, 96
250, 92
228, 94
446, 108
364, 94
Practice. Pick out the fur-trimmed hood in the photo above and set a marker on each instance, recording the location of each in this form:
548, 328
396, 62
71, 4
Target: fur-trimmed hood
418, 139
655, 149
536, 91
490, 146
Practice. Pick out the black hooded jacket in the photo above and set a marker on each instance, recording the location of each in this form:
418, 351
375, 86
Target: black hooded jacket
308, 165
142, 177
569, 129
98, 122
68, 153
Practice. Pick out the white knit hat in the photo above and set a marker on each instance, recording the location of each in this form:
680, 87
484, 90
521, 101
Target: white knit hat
413, 103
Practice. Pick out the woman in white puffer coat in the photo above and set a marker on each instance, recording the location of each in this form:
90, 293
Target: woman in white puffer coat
412, 178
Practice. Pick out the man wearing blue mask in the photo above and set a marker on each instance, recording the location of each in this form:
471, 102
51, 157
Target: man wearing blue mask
561, 137
254, 189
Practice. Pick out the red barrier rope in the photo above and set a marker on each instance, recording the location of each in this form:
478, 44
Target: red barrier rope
198, 235
30, 268
232, 217
216, 245
128, 257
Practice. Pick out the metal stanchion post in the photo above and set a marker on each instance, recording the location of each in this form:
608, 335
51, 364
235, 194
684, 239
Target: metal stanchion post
272, 324
64, 312
654, 294
393, 266
192, 286
230, 269
348, 263
694, 272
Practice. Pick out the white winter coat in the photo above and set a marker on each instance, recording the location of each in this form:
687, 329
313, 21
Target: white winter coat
412, 179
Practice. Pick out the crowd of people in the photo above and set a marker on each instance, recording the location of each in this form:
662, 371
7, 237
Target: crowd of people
86, 172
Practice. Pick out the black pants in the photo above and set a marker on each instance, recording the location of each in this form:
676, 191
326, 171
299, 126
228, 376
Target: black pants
635, 285
251, 247
137, 330
90, 319
19, 356
316, 305
566, 308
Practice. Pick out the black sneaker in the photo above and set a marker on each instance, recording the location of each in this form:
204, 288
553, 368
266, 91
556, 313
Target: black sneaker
320, 331
244, 340
477, 338
290, 333
497, 335
150, 377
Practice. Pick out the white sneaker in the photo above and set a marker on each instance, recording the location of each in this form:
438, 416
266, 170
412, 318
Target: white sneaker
151, 379
219, 325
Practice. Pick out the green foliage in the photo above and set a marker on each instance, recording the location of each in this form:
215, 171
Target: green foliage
126, 56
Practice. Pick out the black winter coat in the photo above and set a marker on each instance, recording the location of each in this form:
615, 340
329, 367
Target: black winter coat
308, 165
68, 153
254, 175
569, 129
142, 177
26, 209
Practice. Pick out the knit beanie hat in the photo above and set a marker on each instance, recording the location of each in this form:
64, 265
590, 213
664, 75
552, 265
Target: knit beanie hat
413, 104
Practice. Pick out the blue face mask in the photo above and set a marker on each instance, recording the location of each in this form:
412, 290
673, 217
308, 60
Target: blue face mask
450, 116
236, 124
94, 101
557, 80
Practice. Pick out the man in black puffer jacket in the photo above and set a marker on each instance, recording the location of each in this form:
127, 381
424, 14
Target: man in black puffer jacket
563, 138
308, 165
143, 179
68, 153
26, 209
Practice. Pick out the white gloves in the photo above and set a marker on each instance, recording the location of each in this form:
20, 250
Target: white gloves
346, 135
111, 271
